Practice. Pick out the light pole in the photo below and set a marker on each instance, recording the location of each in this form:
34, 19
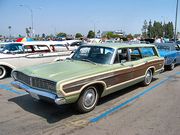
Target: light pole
94, 30
176, 20
31, 11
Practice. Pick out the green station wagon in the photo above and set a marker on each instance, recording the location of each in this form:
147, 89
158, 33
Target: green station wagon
92, 72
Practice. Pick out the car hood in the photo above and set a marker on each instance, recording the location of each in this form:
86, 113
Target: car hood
63, 70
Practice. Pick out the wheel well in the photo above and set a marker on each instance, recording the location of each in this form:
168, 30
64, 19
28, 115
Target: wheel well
98, 86
174, 60
8, 69
152, 69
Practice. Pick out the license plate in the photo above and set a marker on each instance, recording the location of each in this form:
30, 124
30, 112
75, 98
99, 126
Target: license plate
34, 95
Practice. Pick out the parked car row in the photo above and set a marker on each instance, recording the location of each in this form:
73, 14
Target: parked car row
92, 72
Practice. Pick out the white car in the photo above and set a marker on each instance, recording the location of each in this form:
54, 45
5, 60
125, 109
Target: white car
20, 54
72, 44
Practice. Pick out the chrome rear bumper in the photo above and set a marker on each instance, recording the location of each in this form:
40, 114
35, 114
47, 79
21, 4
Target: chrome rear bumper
35, 93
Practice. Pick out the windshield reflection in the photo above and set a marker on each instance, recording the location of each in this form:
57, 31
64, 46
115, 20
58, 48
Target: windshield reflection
94, 54
12, 48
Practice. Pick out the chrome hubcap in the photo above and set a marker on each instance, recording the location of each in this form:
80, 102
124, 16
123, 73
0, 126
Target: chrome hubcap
89, 98
148, 77
172, 66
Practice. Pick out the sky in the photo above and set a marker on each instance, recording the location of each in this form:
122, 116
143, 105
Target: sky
80, 16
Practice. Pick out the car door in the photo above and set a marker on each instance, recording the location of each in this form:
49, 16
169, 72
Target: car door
125, 66
137, 63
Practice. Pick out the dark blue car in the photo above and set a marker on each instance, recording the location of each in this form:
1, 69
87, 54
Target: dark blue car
171, 53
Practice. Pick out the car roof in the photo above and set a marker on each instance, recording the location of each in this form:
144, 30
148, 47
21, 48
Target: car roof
38, 43
122, 45
165, 44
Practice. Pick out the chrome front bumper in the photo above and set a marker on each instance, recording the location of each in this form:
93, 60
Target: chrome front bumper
35, 93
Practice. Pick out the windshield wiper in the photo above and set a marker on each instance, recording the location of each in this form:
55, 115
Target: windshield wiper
87, 60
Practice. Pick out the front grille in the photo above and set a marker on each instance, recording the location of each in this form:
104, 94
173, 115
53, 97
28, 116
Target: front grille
36, 82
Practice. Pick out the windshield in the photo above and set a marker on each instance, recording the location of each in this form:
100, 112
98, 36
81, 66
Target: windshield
12, 48
95, 54
164, 47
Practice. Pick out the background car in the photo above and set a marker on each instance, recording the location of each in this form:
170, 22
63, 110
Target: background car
171, 53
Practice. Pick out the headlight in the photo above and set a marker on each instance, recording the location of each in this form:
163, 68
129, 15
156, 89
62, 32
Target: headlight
14, 75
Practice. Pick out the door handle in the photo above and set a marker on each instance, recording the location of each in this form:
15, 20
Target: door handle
146, 62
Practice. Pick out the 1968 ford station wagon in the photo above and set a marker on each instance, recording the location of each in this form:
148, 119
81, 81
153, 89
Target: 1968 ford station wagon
92, 72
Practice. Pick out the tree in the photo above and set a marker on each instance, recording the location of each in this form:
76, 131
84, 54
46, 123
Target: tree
78, 35
9, 27
109, 35
144, 29
169, 30
136, 35
91, 34
150, 30
43, 35
158, 29
129, 37
61, 34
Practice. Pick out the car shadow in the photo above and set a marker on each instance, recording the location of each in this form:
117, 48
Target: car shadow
54, 113
51, 112
122, 92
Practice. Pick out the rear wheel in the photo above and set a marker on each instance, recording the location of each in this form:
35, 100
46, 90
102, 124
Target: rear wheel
148, 78
87, 100
3, 72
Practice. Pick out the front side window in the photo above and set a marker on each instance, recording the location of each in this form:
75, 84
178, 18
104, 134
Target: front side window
96, 54
121, 56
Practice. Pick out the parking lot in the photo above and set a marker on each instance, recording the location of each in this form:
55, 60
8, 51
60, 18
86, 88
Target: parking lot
135, 110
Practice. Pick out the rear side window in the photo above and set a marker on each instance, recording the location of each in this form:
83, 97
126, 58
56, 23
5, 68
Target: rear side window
135, 54
148, 51
41, 48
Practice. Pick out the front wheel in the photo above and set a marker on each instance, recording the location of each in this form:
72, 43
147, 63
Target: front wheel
3, 72
87, 100
171, 67
148, 78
